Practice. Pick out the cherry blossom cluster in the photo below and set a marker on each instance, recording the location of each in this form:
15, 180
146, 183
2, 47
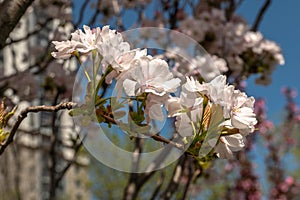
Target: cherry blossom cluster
245, 51
238, 114
150, 81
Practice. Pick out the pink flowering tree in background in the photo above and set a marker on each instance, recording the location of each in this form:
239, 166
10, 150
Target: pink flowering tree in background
146, 99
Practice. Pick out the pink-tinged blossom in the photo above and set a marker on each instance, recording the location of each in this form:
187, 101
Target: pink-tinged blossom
214, 89
187, 120
65, 49
228, 144
188, 96
187, 109
108, 43
151, 76
243, 116
83, 42
289, 180
154, 104
238, 109
86, 41
209, 67
112, 46
123, 63
252, 39
235, 41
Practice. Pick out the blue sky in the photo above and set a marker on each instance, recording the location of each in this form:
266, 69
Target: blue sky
280, 24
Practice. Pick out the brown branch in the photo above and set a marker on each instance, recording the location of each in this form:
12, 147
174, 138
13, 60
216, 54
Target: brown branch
11, 13
173, 14
260, 15
33, 109
230, 9
67, 105
156, 137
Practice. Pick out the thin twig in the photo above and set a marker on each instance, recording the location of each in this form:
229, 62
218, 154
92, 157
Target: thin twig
156, 137
260, 15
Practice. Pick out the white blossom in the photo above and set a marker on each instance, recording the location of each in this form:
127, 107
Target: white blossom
227, 145
187, 109
206, 67
83, 42
154, 106
108, 43
86, 41
112, 46
124, 62
243, 116
151, 76
65, 49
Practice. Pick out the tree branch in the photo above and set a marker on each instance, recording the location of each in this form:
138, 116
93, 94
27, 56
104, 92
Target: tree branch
260, 15
11, 13
33, 109
156, 137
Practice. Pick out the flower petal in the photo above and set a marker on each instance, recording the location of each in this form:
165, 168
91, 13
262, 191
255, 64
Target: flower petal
130, 87
156, 112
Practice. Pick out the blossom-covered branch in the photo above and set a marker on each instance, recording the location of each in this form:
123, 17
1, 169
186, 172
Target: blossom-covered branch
149, 82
